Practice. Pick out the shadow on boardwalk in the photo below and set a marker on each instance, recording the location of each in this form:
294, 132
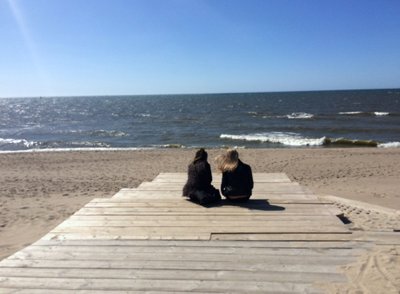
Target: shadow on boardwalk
251, 204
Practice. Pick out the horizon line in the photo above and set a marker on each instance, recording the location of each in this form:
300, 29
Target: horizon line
204, 93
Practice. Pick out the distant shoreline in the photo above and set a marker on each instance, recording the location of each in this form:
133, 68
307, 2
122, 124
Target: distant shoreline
177, 147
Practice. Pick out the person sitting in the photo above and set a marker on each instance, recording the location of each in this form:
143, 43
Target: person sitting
198, 186
237, 178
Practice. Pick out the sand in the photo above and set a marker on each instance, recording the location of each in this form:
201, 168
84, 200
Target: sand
40, 190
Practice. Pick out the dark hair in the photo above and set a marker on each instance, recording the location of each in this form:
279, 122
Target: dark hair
201, 154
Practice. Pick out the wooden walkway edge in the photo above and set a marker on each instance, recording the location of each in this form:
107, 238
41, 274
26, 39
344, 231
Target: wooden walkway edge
151, 239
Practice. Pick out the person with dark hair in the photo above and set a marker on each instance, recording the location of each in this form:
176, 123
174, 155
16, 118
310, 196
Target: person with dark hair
237, 178
198, 186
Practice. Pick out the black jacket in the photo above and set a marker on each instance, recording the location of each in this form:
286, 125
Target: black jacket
199, 177
238, 182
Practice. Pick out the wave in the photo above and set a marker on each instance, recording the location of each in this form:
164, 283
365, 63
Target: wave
351, 112
389, 145
296, 140
377, 113
18, 143
350, 142
72, 144
363, 113
177, 146
97, 133
144, 114
77, 149
288, 139
294, 115
300, 115
103, 133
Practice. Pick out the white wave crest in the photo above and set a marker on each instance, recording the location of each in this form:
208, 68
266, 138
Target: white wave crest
104, 133
289, 139
389, 145
350, 112
48, 150
380, 113
18, 142
300, 115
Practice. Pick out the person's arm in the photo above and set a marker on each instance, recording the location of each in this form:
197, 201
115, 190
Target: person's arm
251, 183
208, 173
223, 183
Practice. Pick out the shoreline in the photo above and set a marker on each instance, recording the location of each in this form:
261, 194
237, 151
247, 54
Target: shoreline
39, 190
352, 144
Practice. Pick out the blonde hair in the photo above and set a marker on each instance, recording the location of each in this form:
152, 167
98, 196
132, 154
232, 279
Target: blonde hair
229, 161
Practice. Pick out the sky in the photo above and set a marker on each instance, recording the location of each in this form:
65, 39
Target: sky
133, 47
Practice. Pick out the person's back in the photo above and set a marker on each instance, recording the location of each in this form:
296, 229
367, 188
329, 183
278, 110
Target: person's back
237, 178
199, 177
198, 186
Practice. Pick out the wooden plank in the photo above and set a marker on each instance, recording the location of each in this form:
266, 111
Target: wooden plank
257, 186
182, 231
194, 245
272, 196
318, 266
251, 205
13, 290
194, 224
289, 237
200, 211
178, 192
256, 219
179, 256
256, 183
158, 285
101, 202
111, 250
173, 274
311, 237
126, 236
139, 198
155, 213
184, 205
133, 257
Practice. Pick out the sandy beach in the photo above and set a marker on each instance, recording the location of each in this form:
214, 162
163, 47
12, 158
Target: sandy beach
40, 190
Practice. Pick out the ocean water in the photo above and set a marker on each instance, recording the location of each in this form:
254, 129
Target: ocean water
318, 119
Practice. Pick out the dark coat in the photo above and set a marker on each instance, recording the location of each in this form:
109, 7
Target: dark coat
199, 177
240, 181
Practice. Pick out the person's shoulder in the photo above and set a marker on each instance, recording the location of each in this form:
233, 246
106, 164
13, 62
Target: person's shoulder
245, 165
202, 163
246, 168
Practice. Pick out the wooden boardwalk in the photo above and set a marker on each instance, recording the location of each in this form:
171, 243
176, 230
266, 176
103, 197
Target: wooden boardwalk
150, 239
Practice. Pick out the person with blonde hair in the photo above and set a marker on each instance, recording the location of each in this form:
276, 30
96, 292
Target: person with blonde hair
198, 185
237, 178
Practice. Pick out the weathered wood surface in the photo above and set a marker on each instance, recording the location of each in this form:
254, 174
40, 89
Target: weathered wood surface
151, 239
168, 194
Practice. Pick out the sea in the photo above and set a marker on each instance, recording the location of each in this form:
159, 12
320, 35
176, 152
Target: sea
315, 119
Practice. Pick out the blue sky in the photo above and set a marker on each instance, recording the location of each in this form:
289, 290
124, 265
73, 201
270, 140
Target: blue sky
115, 47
